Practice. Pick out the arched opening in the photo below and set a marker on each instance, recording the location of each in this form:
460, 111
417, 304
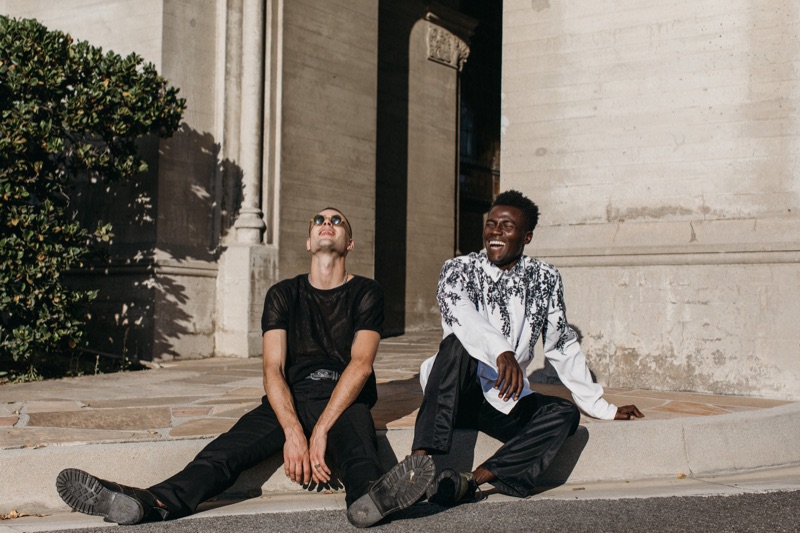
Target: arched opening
437, 148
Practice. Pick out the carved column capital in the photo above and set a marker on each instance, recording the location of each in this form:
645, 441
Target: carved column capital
446, 48
448, 35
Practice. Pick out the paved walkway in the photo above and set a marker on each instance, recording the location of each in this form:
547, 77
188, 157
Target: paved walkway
198, 398
156, 420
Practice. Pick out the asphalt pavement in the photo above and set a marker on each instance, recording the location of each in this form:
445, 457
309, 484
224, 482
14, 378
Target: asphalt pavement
761, 501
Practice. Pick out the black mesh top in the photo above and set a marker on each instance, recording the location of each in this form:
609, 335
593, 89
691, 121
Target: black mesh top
321, 324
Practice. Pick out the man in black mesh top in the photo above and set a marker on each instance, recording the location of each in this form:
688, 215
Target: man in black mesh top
320, 335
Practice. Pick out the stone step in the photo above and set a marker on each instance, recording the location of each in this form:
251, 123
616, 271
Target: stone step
691, 446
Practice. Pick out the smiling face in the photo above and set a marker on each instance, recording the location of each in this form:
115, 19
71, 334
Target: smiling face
505, 235
326, 236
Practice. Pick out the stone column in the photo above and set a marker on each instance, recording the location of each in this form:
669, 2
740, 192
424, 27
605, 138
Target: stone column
248, 267
250, 223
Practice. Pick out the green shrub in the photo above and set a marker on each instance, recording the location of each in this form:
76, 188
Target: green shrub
67, 110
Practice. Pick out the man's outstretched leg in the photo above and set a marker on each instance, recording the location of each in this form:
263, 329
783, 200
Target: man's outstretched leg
117, 503
256, 436
533, 434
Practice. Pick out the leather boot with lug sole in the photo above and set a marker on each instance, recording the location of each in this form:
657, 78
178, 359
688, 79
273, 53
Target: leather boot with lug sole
397, 489
117, 503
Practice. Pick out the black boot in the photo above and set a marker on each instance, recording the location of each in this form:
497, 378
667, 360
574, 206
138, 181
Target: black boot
397, 489
451, 488
117, 503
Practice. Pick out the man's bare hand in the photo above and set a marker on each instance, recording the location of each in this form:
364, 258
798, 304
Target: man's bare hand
296, 461
320, 472
628, 412
509, 377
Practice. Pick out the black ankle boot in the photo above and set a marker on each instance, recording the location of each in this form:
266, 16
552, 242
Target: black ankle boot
451, 488
399, 488
117, 503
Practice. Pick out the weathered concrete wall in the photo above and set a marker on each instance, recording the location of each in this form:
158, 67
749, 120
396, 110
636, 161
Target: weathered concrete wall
416, 165
245, 275
187, 225
188, 160
422, 48
661, 144
720, 328
117, 25
328, 112
122, 316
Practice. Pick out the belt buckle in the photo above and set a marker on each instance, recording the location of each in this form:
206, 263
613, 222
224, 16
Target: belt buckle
321, 374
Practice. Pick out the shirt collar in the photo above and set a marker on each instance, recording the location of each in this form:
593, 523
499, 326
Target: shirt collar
496, 273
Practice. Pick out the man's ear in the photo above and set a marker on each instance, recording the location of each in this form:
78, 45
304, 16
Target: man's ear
350, 245
528, 237
308, 244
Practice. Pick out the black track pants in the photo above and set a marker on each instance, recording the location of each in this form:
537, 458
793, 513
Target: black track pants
532, 432
352, 448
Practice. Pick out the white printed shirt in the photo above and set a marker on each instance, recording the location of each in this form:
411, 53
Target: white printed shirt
492, 311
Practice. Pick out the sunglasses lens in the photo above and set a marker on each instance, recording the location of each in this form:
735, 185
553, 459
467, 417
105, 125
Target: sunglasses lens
336, 220
318, 220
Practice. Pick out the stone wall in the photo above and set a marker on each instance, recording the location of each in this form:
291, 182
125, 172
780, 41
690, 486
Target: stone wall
188, 183
661, 145
327, 154
117, 25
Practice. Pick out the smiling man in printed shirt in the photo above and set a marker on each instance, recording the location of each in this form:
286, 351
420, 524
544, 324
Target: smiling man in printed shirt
495, 305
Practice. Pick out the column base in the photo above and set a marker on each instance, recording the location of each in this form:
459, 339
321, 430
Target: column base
245, 274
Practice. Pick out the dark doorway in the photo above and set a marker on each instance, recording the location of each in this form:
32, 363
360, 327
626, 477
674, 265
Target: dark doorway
395, 22
479, 145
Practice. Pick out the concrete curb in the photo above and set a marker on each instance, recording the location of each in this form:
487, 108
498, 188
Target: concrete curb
599, 451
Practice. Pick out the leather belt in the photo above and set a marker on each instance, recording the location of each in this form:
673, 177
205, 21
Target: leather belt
321, 374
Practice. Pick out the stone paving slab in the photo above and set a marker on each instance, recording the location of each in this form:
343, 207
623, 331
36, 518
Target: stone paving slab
59, 406
8, 421
236, 411
196, 397
11, 438
715, 399
143, 402
203, 428
131, 418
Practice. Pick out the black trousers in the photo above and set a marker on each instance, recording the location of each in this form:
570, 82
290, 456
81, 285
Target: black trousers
352, 448
532, 432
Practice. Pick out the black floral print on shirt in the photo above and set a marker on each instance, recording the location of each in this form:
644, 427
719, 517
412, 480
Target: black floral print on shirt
532, 285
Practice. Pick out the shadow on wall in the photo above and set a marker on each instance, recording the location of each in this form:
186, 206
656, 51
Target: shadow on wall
395, 22
156, 280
